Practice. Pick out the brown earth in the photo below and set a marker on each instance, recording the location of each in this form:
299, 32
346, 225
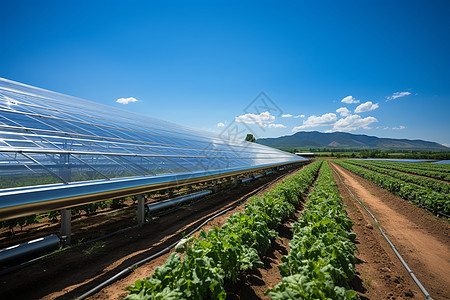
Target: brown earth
379, 273
421, 238
70, 273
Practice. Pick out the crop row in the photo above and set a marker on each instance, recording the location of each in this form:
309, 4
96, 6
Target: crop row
416, 194
435, 185
410, 168
431, 167
201, 265
321, 259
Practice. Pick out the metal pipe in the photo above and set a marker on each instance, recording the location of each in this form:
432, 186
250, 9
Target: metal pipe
246, 179
20, 251
141, 209
19, 202
159, 206
66, 226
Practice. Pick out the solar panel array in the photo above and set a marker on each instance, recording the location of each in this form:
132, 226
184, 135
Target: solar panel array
47, 137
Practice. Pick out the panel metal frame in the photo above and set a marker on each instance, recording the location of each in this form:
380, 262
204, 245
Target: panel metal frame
23, 201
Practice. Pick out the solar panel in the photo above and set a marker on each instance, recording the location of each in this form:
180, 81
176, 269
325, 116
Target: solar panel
51, 138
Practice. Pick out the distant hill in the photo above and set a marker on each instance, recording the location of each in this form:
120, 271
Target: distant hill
315, 139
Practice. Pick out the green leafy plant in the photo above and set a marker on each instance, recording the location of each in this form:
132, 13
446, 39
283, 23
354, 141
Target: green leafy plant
414, 193
377, 166
321, 259
201, 265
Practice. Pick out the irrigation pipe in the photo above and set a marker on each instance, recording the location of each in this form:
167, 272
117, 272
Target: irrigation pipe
167, 249
422, 288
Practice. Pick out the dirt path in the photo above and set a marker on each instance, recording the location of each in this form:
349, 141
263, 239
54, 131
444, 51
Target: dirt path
421, 238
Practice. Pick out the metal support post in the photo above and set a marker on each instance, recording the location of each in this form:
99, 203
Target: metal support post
235, 181
141, 209
66, 220
215, 186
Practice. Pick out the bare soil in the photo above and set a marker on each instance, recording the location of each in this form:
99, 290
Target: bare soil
421, 238
70, 273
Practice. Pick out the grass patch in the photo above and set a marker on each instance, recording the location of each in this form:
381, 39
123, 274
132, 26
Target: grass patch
95, 248
115, 213
367, 281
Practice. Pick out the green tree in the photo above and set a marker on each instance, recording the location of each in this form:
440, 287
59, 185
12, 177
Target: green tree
250, 138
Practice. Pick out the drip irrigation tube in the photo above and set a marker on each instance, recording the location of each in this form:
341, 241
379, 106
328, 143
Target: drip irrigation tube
34, 260
167, 249
422, 288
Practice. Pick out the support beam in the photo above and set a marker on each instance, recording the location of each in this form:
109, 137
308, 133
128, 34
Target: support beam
141, 209
215, 186
66, 222
235, 181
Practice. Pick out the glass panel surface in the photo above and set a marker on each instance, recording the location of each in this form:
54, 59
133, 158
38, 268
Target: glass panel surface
47, 137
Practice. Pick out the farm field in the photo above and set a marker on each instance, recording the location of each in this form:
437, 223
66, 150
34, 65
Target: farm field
436, 171
424, 192
420, 237
378, 274
122, 249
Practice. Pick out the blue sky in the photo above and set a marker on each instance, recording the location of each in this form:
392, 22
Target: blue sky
200, 63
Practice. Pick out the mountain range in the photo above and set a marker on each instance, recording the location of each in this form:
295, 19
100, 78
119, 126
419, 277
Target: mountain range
344, 140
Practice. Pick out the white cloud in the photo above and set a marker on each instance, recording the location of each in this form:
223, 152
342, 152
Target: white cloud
367, 106
126, 100
314, 121
286, 116
261, 120
349, 100
398, 95
276, 126
300, 116
352, 122
399, 127
220, 124
343, 111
